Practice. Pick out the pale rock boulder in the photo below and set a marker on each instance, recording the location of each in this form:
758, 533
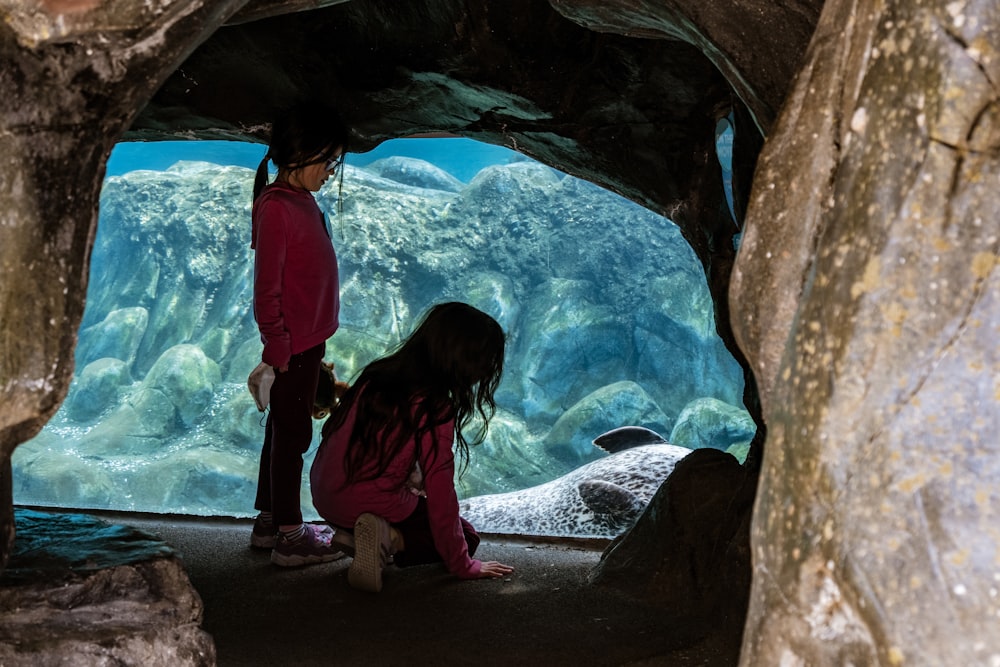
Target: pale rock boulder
123, 598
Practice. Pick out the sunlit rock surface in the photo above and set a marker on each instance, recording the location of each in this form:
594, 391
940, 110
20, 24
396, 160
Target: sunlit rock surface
75, 74
80, 591
867, 297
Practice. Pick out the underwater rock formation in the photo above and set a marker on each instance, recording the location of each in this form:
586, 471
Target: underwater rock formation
109, 62
176, 385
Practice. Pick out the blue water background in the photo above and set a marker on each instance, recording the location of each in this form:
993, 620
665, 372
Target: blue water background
138, 457
462, 158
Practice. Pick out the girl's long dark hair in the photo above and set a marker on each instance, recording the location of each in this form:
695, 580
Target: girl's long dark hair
304, 134
449, 368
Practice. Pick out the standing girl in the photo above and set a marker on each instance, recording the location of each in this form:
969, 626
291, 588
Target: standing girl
296, 303
402, 417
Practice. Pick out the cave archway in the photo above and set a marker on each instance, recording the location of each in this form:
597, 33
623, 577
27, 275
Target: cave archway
861, 363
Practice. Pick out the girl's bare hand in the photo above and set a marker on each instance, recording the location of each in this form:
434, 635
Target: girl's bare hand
494, 570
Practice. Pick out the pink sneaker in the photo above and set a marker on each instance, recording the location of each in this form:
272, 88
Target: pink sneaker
314, 546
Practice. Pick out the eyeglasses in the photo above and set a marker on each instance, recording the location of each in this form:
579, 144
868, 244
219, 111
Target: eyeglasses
333, 164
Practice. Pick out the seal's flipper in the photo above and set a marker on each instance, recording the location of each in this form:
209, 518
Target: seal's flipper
602, 497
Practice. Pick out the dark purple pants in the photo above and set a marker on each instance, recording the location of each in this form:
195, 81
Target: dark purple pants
287, 436
419, 543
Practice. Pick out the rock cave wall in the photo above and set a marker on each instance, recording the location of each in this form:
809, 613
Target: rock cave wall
865, 295
74, 76
873, 233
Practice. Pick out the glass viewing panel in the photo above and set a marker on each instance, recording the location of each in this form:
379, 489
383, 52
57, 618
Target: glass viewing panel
606, 309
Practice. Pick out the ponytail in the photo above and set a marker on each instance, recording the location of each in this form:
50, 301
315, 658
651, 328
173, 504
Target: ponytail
260, 181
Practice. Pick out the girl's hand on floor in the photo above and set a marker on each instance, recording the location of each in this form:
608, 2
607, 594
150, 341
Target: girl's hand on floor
494, 570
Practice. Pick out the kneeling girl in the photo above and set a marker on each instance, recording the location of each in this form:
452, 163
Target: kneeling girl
404, 414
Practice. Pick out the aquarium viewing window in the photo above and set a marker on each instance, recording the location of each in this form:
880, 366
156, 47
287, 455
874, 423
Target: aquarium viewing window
605, 328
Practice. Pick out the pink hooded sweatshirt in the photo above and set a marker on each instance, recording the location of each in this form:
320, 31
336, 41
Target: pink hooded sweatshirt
387, 495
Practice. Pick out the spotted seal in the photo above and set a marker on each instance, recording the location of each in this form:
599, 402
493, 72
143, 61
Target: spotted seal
600, 499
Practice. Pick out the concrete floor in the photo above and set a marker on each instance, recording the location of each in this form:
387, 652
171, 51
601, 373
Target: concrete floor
544, 614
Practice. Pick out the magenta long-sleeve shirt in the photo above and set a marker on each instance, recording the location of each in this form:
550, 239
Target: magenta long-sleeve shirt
387, 496
296, 286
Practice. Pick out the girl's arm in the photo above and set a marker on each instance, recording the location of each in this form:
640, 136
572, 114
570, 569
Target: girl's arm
442, 503
269, 266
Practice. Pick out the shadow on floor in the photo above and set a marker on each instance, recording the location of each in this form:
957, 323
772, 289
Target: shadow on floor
544, 614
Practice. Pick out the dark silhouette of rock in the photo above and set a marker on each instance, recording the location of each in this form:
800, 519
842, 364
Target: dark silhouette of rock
691, 545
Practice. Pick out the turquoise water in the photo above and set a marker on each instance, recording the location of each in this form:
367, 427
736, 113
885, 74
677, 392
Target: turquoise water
608, 318
462, 158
